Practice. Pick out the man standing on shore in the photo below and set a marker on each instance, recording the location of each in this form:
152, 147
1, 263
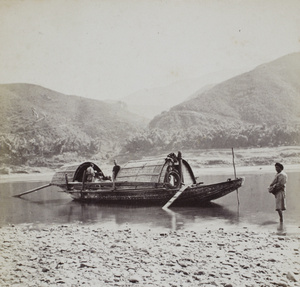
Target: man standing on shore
278, 188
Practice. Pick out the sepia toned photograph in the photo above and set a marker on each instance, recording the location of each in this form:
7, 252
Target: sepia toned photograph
150, 143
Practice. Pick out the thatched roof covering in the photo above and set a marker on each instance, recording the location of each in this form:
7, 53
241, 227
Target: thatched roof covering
162, 170
143, 171
151, 170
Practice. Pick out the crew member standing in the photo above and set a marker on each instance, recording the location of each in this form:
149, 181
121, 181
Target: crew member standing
278, 188
115, 171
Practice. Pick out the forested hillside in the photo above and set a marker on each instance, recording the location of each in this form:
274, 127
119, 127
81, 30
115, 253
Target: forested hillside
258, 108
40, 126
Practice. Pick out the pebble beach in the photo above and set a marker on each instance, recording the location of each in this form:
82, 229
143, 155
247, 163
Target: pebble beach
89, 255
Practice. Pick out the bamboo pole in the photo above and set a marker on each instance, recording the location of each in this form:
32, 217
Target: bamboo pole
32, 190
237, 190
233, 162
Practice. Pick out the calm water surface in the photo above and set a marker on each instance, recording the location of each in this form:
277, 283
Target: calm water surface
256, 209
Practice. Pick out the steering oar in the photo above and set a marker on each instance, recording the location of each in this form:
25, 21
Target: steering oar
32, 190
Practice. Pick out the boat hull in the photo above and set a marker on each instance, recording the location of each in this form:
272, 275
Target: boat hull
196, 194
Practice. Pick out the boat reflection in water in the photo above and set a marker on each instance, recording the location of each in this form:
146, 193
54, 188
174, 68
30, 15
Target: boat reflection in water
148, 217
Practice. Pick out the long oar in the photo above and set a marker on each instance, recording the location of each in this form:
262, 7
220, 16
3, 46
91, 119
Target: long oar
32, 190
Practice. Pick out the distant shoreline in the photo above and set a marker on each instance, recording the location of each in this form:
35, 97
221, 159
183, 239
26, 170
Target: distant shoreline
202, 162
214, 170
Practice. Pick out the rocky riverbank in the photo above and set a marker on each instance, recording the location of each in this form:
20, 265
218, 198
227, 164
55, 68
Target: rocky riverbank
88, 255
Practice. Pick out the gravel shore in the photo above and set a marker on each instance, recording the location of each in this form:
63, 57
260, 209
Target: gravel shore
88, 255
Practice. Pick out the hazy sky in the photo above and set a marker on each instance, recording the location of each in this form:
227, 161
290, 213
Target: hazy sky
112, 48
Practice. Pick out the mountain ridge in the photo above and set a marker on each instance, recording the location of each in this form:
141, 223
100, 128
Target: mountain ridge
255, 97
260, 108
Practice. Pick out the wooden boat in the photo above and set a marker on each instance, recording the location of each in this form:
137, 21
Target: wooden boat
150, 181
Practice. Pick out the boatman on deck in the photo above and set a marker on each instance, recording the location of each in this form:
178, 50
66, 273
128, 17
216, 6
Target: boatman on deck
115, 172
90, 173
278, 188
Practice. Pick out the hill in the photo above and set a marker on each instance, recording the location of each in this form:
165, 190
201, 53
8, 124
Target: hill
257, 108
269, 94
38, 123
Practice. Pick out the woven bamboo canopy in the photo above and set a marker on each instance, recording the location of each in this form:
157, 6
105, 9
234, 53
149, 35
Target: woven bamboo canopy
153, 170
147, 170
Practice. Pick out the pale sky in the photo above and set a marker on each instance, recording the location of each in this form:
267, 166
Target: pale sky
112, 48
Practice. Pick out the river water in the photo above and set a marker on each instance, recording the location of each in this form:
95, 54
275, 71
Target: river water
256, 208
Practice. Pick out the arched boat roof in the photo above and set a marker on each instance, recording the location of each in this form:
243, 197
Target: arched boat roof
145, 170
150, 170
74, 172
